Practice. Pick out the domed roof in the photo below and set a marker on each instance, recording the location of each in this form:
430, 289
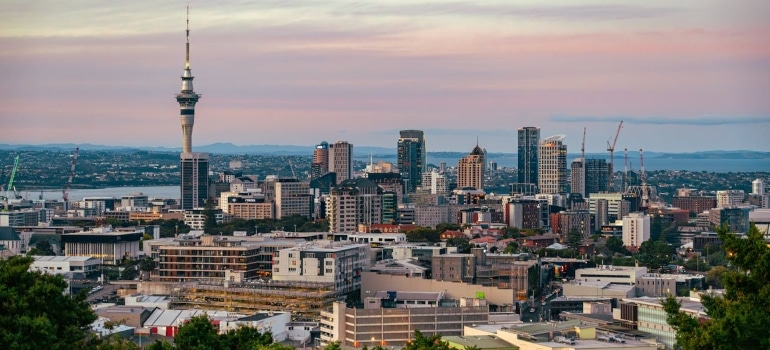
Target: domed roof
478, 151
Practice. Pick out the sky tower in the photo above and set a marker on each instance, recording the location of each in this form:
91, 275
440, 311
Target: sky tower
187, 98
194, 167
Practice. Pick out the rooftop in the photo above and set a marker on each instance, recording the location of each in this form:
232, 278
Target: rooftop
480, 341
52, 258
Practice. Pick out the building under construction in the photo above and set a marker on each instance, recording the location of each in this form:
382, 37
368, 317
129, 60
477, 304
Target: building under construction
305, 300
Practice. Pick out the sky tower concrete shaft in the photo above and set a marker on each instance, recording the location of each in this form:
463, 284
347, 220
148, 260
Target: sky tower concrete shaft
187, 98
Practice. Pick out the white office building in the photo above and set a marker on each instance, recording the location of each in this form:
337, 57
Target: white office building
636, 229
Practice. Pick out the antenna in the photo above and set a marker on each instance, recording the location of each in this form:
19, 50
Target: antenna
187, 31
583, 146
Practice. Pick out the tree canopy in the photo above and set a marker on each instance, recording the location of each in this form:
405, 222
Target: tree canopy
739, 319
655, 254
199, 333
34, 311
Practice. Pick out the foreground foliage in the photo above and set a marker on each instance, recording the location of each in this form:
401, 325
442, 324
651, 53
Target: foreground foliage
34, 311
739, 319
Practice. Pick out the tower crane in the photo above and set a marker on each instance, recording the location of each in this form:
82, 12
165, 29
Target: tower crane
611, 149
10, 182
291, 166
65, 192
645, 188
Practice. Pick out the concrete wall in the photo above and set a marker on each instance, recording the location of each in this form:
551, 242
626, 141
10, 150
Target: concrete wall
372, 282
156, 288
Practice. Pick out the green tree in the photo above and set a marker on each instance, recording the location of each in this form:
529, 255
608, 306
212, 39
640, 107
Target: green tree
244, 338
463, 244
511, 232
511, 248
739, 319
655, 254
423, 234
615, 245
129, 273
210, 225
42, 247
421, 342
574, 238
147, 264
198, 334
160, 345
714, 277
447, 226
333, 346
34, 311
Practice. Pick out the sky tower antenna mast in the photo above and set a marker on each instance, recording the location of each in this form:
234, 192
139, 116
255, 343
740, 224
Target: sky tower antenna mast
583, 147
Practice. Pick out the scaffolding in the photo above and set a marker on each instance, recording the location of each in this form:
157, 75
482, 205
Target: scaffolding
305, 300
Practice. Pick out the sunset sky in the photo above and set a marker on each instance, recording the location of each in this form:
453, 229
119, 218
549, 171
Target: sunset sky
683, 75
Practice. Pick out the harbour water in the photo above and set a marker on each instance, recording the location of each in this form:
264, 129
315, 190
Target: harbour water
117, 192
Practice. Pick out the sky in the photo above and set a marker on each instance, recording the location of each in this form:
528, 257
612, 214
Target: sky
683, 75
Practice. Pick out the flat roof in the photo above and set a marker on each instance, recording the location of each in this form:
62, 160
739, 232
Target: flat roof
480, 341
51, 258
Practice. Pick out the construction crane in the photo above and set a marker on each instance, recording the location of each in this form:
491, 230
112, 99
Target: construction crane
611, 149
291, 166
66, 192
645, 188
10, 182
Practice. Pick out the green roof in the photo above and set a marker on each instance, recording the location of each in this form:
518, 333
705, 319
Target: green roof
7, 233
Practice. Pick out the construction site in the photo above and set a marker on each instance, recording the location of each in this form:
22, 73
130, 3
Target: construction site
305, 300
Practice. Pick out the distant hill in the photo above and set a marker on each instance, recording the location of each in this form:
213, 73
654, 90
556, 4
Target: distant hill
365, 151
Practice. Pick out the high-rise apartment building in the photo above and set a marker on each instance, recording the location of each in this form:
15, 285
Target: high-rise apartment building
194, 167
341, 160
596, 172
730, 198
470, 169
292, 197
194, 170
758, 187
529, 139
578, 177
552, 165
320, 165
354, 202
636, 229
434, 182
412, 158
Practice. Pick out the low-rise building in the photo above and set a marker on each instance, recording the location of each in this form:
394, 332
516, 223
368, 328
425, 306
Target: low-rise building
613, 274
386, 327
63, 264
323, 262
108, 245
646, 314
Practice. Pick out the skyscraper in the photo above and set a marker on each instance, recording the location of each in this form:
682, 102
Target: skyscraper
470, 169
578, 177
194, 185
412, 158
552, 165
341, 160
596, 173
529, 139
320, 164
